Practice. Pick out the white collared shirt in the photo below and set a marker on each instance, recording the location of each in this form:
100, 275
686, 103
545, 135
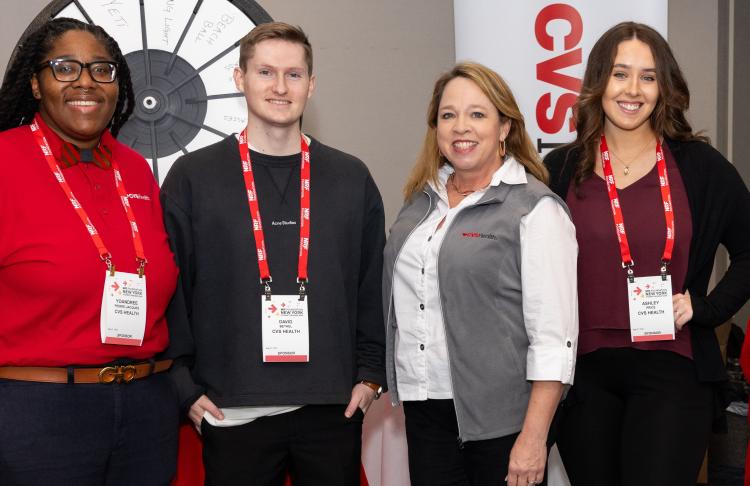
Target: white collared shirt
550, 303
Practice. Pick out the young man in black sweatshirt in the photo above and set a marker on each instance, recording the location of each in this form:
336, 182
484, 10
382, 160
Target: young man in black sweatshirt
276, 326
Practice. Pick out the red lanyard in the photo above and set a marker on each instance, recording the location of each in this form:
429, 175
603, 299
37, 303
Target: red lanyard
140, 255
304, 218
666, 196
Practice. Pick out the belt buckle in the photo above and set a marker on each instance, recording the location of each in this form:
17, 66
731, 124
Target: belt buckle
119, 374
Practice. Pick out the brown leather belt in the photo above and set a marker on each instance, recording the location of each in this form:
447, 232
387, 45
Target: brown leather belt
108, 374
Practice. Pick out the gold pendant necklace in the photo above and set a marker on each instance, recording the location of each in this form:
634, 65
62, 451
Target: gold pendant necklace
626, 166
452, 182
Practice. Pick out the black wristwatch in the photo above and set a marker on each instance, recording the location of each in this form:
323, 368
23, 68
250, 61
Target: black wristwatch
374, 387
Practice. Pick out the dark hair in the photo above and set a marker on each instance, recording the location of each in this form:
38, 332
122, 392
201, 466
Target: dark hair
275, 30
667, 119
19, 105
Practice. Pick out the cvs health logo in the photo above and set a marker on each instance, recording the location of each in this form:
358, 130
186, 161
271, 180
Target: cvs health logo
555, 116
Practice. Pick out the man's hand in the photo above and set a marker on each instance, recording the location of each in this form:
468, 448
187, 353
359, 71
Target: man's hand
362, 397
200, 407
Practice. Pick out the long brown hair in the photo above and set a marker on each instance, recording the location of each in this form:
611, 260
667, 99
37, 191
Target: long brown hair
667, 119
517, 143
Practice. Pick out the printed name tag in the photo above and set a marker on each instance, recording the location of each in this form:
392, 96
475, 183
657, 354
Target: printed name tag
123, 317
650, 302
286, 337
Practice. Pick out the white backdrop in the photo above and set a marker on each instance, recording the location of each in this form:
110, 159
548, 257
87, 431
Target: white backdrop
540, 49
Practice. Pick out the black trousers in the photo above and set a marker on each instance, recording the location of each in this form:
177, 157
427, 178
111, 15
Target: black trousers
316, 444
635, 418
436, 458
88, 434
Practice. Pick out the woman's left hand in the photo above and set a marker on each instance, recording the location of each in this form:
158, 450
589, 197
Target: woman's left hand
527, 460
682, 308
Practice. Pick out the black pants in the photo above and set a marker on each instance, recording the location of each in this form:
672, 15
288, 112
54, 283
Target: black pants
88, 434
635, 418
316, 444
437, 459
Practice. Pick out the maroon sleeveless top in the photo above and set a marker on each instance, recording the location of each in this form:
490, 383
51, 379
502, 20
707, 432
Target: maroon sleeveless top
602, 282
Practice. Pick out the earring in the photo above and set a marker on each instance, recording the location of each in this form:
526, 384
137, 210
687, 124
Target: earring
37, 95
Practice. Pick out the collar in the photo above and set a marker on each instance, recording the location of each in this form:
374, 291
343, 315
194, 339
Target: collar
251, 147
68, 154
511, 172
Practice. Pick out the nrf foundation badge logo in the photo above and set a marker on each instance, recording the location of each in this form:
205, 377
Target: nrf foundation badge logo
648, 291
274, 310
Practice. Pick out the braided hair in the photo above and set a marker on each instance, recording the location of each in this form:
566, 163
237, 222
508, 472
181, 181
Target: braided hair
19, 105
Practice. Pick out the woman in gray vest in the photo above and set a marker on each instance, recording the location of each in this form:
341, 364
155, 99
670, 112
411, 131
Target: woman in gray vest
481, 309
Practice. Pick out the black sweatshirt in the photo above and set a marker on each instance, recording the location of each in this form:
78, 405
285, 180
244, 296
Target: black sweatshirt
720, 213
215, 316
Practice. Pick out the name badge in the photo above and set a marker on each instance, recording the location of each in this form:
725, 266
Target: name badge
650, 302
286, 337
123, 317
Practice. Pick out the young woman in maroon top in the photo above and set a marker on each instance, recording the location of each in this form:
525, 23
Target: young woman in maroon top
77, 410
640, 411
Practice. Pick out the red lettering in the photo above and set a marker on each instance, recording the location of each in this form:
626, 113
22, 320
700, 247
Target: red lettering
550, 71
547, 71
558, 11
555, 124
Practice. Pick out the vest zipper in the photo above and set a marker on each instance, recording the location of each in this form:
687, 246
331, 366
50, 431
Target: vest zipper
445, 327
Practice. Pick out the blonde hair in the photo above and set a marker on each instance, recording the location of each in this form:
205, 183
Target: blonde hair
517, 143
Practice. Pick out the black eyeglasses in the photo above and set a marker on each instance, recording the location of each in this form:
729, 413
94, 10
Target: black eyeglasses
69, 70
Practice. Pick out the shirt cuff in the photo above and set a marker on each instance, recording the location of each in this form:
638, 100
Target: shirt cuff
552, 363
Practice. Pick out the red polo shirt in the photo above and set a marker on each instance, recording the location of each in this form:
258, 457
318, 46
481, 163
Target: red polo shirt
51, 276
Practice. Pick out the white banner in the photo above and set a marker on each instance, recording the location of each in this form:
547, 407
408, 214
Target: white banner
540, 48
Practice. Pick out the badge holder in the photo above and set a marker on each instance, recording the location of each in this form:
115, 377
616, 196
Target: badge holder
285, 326
123, 311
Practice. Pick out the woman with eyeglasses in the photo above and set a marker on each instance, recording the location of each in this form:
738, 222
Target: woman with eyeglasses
86, 273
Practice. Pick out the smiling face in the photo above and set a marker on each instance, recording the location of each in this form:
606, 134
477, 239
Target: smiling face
632, 91
469, 128
81, 110
276, 83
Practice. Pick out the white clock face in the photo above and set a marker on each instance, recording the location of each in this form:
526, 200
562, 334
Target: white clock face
181, 55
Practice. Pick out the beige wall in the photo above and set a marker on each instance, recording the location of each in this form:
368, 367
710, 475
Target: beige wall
693, 26
15, 18
376, 63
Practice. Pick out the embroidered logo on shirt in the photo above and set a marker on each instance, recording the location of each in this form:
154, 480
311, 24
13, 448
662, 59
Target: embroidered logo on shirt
142, 197
479, 235
283, 223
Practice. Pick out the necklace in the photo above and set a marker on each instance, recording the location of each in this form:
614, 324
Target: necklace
452, 182
626, 166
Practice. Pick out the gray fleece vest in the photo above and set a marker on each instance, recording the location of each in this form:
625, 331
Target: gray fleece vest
479, 276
